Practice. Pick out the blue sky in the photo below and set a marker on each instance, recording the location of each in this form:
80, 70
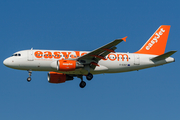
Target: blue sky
148, 94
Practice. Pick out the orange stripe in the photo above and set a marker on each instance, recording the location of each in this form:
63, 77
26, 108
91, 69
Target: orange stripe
109, 50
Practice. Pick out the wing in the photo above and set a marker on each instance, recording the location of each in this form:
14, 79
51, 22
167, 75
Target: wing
98, 54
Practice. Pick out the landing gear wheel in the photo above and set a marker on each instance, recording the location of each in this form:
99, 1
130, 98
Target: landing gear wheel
82, 84
30, 73
89, 76
29, 79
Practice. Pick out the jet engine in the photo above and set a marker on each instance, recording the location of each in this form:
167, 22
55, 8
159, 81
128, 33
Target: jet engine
55, 77
66, 65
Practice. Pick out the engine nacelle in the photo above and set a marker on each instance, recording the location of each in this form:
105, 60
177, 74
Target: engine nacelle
54, 77
66, 65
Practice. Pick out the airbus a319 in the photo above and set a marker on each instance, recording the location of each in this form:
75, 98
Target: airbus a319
65, 65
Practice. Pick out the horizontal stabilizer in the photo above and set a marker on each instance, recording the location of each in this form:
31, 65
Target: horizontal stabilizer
163, 56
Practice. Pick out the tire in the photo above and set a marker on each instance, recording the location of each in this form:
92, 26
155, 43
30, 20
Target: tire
89, 76
29, 79
82, 84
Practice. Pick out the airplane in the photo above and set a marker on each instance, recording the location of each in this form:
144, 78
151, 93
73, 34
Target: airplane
64, 65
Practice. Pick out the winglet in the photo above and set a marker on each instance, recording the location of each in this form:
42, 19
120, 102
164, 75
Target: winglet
124, 39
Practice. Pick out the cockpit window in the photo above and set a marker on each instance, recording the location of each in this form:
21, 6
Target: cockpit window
16, 54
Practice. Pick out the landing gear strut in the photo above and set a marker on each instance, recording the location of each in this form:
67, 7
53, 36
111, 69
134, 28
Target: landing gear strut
89, 76
30, 73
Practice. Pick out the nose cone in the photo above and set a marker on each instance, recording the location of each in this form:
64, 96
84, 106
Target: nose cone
12, 63
7, 62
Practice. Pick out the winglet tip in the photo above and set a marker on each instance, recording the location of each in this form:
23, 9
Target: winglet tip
124, 39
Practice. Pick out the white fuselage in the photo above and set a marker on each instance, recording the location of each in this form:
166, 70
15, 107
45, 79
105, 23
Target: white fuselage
44, 60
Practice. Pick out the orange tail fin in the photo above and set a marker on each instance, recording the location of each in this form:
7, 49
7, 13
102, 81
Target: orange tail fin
157, 42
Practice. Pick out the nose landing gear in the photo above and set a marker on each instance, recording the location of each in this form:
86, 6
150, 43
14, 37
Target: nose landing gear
30, 73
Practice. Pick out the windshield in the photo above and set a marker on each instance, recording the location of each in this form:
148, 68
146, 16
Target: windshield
16, 54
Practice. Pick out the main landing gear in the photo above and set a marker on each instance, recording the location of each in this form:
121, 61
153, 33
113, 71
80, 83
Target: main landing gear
89, 76
82, 84
30, 73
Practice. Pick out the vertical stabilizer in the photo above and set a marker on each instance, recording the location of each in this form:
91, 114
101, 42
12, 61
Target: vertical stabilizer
157, 42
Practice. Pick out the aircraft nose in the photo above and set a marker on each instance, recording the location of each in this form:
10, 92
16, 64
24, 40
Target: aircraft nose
6, 62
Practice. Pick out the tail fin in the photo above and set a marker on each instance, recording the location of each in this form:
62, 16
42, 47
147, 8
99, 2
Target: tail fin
157, 42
